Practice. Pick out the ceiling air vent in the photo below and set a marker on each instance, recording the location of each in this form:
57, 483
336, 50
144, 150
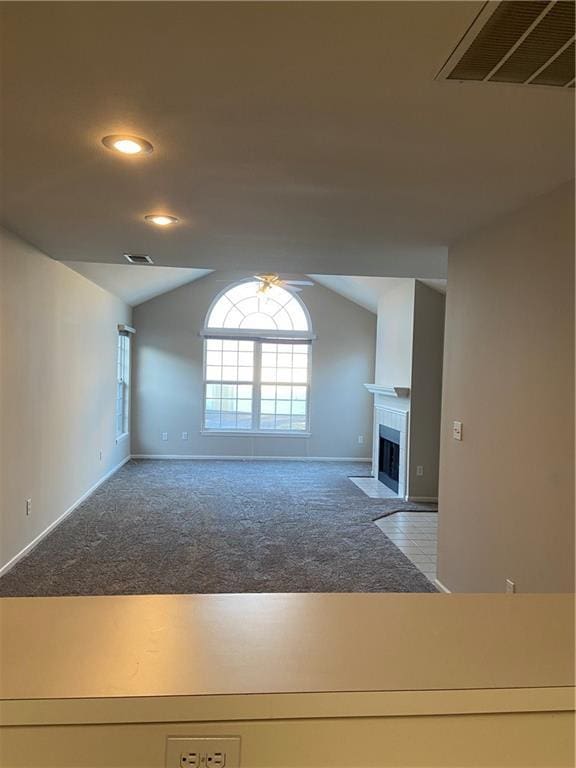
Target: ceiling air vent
138, 258
527, 43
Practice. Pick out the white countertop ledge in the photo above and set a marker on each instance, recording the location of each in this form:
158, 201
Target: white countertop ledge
237, 644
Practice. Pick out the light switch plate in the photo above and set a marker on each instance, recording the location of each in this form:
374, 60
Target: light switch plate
203, 752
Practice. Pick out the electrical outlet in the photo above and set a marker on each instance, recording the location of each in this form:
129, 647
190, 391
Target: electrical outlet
28, 507
360, 439
184, 435
419, 470
457, 430
203, 752
164, 435
510, 586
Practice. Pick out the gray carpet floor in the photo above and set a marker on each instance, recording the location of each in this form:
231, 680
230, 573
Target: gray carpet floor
159, 527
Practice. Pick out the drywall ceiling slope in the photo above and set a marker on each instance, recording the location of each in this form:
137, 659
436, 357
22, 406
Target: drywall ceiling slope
366, 291
136, 284
302, 137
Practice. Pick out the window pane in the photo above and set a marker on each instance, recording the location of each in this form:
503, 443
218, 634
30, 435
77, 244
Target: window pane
228, 420
298, 422
299, 393
267, 422
212, 420
229, 373
284, 359
298, 408
245, 373
268, 391
269, 375
299, 375
245, 391
214, 358
284, 392
218, 313
245, 358
213, 390
283, 407
243, 307
230, 358
244, 421
268, 406
213, 372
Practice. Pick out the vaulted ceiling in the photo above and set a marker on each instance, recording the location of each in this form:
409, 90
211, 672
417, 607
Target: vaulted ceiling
301, 137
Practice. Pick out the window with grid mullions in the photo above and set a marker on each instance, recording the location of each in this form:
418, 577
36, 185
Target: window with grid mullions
258, 382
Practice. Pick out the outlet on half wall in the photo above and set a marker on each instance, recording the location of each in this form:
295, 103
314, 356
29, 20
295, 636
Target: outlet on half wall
164, 435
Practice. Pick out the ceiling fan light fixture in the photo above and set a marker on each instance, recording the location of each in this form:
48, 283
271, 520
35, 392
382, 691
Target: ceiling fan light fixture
127, 145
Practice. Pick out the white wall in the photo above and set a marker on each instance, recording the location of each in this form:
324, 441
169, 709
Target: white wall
168, 377
409, 350
58, 335
507, 490
394, 336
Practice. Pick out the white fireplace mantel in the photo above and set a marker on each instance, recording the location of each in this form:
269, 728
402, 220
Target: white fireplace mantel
387, 391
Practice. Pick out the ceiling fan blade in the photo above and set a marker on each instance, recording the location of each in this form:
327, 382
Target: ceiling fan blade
299, 282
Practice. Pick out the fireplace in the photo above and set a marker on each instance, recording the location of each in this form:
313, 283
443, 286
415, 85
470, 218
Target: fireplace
389, 457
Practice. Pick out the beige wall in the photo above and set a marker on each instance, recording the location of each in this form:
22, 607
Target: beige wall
168, 377
57, 390
426, 393
507, 490
395, 329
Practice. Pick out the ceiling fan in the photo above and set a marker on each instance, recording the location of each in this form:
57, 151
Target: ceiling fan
270, 280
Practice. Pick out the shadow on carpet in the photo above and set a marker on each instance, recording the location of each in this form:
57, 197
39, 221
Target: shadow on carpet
169, 527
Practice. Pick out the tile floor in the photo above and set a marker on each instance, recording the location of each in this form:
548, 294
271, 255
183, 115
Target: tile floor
373, 488
415, 533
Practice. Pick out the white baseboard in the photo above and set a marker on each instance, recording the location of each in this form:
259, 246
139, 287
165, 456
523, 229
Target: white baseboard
12, 562
423, 499
193, 457
441, 587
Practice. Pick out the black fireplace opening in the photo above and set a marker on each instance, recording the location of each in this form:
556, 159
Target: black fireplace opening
389, 457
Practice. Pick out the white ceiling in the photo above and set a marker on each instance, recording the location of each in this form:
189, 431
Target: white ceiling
366, 291
301, 137
133, 283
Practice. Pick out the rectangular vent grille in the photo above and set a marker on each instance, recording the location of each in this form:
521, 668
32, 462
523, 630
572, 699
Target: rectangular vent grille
138, 258
528, 43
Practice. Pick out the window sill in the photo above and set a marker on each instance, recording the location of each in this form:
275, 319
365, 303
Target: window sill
122, 437
253, 433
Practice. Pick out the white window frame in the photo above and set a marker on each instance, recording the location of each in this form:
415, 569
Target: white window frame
258, 338
123, 377
256, 384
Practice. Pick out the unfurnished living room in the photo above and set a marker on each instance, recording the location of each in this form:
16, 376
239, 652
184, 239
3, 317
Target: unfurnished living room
286, 383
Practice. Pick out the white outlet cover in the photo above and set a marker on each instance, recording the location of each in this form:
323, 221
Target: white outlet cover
209, 751
457, 430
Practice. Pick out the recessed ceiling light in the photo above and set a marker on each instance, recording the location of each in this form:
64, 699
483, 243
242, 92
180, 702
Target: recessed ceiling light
160, 219
128, 145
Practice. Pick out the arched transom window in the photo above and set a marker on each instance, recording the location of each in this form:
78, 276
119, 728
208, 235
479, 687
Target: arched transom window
257, 360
